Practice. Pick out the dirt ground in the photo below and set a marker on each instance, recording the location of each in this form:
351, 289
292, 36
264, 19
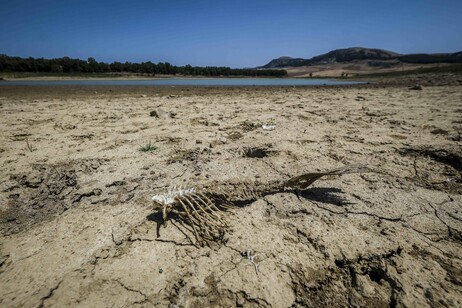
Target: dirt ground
358, 68
78, 226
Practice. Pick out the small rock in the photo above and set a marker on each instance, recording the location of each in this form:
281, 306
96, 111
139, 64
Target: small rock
118, 236
116, 183
69, 126
268, 127
240, 300
416, 87
132, 186
13, 196
159, 113
386, 231
364, 285
127, 197
439, 131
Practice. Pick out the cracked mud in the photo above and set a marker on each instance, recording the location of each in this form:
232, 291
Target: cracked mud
78, 228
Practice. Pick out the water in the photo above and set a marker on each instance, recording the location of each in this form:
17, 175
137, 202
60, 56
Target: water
181, 82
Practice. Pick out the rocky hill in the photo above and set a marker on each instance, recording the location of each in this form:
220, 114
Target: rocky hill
360, 53
285, 62
355, 53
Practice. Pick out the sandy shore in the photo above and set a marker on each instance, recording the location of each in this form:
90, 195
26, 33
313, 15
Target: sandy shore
78, 227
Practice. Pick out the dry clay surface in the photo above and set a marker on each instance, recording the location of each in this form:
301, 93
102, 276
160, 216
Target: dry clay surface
78, 227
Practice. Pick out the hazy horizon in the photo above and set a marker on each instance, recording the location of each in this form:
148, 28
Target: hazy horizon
218, 33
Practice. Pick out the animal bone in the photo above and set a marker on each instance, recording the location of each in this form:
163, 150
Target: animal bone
203, 209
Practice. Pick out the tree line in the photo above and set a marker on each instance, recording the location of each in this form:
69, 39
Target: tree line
68, 65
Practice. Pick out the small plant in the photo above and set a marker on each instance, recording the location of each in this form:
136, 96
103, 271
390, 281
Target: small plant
148, 147
29, 146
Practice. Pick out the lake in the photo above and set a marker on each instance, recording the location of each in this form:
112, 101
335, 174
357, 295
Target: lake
204, 82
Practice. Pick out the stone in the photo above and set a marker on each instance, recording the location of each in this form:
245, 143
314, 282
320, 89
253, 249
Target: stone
416, 87
160, 113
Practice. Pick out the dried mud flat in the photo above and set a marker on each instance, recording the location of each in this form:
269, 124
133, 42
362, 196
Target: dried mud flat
78, 227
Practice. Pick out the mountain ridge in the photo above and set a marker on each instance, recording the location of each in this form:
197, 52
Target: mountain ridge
351, 54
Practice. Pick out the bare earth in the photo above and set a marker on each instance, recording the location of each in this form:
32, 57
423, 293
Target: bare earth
355, 68
78, 227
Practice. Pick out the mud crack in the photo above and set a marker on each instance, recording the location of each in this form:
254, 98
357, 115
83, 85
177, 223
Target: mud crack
49, 294
146, 298
345, 211
452, 233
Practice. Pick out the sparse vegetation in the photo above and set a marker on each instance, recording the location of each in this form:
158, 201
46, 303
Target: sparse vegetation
148, 147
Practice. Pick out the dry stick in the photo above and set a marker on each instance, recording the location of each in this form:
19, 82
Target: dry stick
415, 170
31, 149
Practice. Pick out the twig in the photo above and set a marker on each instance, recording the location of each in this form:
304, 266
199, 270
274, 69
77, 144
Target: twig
29, 146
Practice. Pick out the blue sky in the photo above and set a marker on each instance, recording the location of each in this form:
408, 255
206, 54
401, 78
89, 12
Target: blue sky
224, 33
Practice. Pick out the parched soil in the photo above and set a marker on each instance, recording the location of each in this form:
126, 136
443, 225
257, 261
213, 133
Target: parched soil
78, 227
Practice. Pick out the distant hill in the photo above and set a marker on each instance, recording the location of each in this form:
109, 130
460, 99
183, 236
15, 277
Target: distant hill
360, 53
355, 53
285, 62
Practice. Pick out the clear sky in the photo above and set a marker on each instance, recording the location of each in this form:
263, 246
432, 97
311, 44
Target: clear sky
231, 33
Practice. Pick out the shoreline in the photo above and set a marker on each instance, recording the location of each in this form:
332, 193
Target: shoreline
70, 91
431, 79
86, 91
139, 77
